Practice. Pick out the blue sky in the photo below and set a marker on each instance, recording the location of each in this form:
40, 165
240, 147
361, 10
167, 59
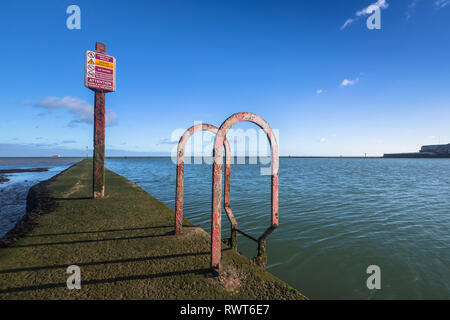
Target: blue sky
328, 89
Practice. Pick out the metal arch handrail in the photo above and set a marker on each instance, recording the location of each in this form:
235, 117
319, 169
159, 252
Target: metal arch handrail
217, 187
180, 175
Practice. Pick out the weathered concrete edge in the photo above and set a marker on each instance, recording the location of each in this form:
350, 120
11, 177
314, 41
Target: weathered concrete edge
38, 202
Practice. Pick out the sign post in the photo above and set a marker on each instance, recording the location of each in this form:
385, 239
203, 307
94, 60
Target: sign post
100, 76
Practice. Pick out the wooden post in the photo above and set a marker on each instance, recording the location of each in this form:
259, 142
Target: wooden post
99, 137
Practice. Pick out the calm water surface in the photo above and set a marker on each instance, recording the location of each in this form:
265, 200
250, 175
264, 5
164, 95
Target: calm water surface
337, 217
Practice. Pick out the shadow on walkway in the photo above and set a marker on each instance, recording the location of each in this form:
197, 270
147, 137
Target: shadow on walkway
203, 271
89, 241
95, 263
96, 231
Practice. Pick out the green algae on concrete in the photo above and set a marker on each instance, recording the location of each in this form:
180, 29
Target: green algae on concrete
125, 249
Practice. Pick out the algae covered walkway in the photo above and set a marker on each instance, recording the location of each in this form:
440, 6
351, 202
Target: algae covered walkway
125, 249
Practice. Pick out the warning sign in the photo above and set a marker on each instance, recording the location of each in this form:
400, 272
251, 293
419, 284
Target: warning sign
104, 64
100, 72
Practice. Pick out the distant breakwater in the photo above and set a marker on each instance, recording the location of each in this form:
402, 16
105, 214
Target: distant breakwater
424, 155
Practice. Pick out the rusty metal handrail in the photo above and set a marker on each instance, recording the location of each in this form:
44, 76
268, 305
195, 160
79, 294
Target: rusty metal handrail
216, 223
180, 174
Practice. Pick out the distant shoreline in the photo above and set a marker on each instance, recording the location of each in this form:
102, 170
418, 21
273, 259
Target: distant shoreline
417, 155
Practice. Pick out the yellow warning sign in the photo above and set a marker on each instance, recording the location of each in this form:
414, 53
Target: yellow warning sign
91, 61
104, 64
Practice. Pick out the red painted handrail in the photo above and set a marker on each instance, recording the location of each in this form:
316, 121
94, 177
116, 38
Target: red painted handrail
180, 172
220, 139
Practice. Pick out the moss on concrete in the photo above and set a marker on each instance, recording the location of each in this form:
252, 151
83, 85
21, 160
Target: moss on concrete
125, 249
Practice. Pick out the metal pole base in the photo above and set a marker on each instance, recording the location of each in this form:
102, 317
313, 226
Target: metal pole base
213, 273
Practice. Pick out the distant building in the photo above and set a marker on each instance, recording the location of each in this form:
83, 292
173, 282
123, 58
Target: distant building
438, 148
431, 151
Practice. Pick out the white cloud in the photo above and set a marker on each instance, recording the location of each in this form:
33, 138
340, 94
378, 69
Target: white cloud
319, 91
382, 4
412, 6
322, 140
347, 22
349, 82
81, 109
168, 141
442, 3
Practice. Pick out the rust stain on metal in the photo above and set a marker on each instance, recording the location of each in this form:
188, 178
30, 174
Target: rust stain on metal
99, 145
99, 138
180, 171
100, 47
217, 188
